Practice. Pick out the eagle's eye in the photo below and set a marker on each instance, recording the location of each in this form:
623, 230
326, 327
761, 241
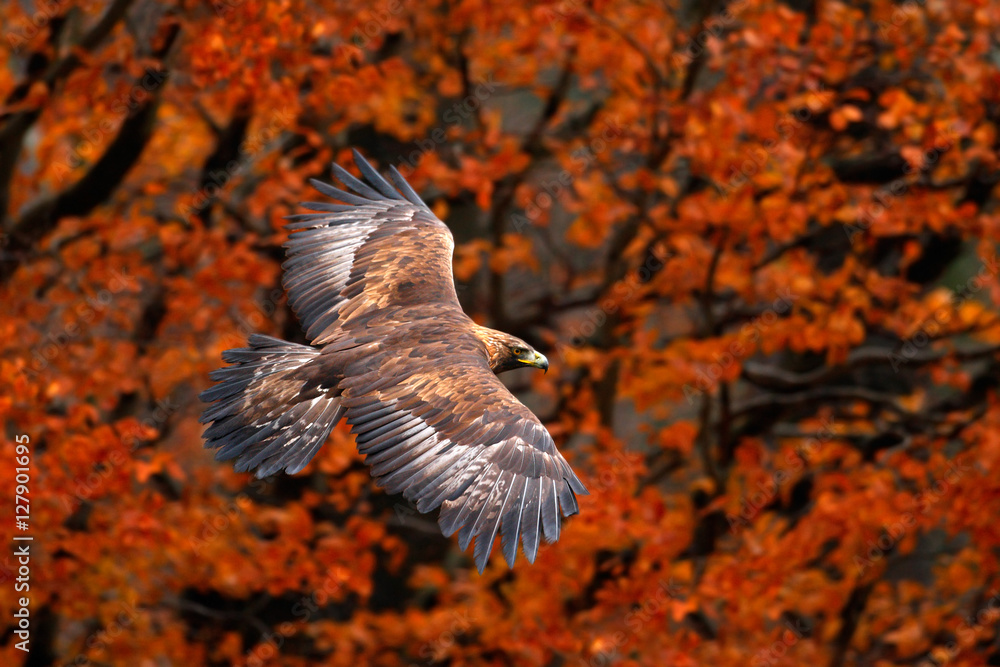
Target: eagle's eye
518, 351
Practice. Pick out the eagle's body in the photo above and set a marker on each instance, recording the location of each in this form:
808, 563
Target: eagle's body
371, 282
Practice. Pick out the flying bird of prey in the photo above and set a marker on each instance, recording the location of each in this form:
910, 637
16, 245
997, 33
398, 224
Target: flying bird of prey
370, 279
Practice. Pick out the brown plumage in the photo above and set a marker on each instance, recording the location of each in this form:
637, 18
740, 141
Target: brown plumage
371, 282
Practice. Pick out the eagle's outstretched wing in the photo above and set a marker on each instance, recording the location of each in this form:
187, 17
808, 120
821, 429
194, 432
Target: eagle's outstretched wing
438, 426
376, 251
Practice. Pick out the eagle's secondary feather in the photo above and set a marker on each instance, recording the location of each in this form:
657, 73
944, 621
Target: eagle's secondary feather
370, 279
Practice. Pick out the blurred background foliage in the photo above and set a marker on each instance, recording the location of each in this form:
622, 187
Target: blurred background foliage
757, 240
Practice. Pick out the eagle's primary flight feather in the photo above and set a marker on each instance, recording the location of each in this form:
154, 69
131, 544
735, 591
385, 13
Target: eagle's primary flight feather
370, 279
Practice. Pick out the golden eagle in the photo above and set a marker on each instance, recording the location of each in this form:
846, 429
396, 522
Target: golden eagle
370, 280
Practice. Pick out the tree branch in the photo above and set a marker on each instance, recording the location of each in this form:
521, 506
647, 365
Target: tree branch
16, 126
100, 181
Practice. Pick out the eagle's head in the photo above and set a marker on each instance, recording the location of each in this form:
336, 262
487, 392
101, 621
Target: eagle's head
508, 352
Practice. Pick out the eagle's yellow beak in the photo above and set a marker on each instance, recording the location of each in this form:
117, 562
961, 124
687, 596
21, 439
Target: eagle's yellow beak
537, 360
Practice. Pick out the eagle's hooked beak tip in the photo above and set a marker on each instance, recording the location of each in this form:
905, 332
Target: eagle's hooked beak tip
541, 361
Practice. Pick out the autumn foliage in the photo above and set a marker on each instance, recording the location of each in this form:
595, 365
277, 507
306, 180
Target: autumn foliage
756, 239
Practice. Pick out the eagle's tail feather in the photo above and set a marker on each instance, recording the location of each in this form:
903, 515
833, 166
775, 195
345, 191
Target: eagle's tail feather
267, 414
